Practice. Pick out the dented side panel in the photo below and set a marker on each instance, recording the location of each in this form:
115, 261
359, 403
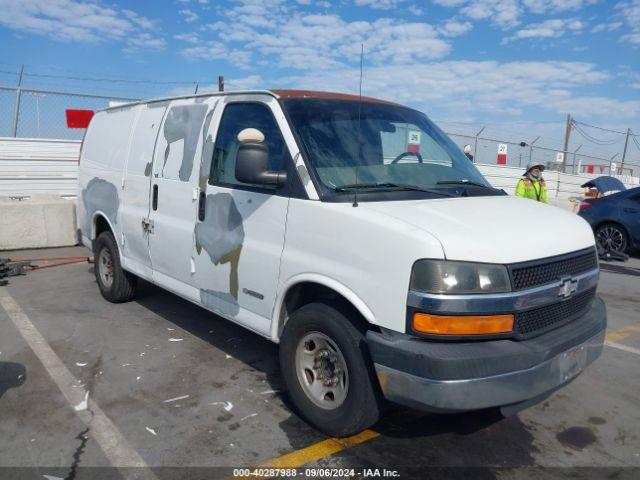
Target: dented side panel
239, 243
136, 190
101, 171
176, 175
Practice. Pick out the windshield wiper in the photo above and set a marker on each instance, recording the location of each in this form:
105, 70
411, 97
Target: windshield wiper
464, 182
403, 186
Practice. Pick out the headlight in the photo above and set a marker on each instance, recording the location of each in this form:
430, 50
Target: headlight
442, 276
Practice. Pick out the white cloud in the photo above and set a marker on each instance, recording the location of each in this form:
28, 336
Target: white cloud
379, 4
465, 88
543, 6
452, 28
213, 50
607, 27
144, 41
78, 21
189, 15
630, 13
552, 28
246, 83
189, 37
142, 22
323, 41
508, 14
502, 13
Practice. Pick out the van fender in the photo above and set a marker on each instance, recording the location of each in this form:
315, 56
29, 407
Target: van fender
94, 216
328, 282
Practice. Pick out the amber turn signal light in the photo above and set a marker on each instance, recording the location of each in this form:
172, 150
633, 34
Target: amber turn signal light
462, 324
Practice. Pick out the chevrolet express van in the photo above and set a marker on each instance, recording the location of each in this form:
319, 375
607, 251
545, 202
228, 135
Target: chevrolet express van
354, 233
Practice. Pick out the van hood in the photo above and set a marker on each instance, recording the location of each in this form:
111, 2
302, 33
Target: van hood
500, 229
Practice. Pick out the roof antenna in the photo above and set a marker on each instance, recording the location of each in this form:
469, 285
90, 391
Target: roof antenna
355, 194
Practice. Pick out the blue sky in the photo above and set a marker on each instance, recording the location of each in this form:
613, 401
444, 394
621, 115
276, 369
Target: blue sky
517, 66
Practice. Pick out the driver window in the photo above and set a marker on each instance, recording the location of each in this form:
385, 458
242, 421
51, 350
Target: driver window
410, 140
237, 117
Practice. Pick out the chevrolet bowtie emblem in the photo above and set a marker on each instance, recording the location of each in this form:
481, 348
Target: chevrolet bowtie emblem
568, 287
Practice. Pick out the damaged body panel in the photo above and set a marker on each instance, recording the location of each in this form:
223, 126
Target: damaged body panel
289, 211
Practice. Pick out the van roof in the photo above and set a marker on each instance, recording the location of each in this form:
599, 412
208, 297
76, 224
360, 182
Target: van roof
273, 93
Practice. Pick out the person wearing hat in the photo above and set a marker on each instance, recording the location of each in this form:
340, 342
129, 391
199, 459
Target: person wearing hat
532, 185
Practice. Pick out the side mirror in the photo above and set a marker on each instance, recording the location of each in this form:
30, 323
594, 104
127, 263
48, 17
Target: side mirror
252, 160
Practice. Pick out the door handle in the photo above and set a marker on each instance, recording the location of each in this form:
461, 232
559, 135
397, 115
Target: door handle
631, 210
201, 206
154, 200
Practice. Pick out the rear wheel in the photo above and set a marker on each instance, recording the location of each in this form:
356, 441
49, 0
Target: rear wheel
115, 284
613, 237
327, 371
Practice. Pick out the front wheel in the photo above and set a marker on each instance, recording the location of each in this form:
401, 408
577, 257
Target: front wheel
115, 284
612, 237
327, 371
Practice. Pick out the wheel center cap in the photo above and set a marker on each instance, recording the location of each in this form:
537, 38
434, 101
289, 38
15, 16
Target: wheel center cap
325, 363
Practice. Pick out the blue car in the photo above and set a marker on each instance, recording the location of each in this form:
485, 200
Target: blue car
615, 218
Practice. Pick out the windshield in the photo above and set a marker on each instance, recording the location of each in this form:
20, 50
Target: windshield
375, 145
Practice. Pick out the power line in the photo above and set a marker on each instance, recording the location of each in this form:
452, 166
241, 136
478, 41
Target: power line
592, 138
106, 79
599, 128
111, 80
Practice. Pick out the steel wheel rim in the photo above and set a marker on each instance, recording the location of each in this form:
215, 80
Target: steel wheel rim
105, 267
321, 370
611, 238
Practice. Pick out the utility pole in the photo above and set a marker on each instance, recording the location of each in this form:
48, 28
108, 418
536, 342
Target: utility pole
16, 112
624, 152
567, 134
221, 83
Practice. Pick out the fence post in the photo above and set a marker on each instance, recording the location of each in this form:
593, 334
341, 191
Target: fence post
16, 112
475, 146
531, 149
573, 164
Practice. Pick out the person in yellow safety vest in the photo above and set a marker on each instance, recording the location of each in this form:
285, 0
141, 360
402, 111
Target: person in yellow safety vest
532, 185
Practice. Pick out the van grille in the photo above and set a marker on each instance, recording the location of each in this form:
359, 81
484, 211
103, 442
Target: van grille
544, 318
533, 274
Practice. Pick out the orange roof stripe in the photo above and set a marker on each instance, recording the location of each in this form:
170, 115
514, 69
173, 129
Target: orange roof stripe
329, 96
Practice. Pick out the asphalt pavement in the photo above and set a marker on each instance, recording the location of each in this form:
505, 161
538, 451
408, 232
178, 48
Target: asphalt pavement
164, 389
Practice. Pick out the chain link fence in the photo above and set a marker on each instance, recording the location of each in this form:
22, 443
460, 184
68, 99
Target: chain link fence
33, 113
519, 154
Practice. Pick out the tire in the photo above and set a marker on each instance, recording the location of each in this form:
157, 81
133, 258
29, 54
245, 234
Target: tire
611, 236
355, 402
115, 284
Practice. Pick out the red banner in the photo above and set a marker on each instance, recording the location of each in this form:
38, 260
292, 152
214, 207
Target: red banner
78, 118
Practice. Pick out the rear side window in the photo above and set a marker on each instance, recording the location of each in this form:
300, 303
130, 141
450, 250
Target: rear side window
237, 117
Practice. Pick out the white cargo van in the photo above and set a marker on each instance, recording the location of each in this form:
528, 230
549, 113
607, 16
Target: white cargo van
355, 234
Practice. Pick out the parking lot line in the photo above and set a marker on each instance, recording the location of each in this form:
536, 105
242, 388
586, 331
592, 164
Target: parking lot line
620, 346
319, 450
618, 335
101, 428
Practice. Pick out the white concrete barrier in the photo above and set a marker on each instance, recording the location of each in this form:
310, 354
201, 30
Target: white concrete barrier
36, 222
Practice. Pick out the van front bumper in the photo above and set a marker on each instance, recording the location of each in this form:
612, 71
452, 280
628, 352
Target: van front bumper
462, 376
